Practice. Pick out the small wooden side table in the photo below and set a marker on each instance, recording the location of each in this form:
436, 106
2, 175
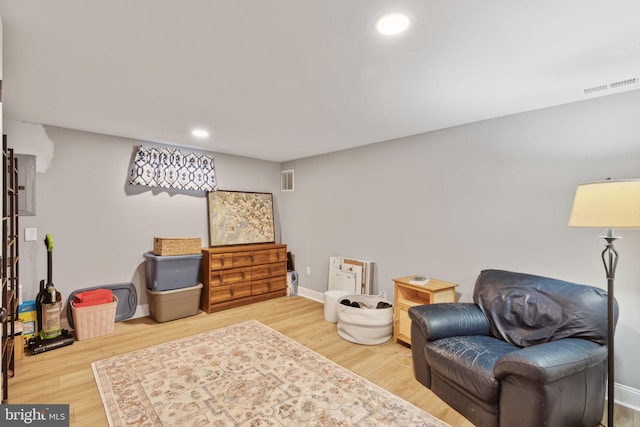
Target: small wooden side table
407, 295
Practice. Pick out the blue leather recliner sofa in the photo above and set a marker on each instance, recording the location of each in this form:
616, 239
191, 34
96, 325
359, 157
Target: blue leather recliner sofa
529, 351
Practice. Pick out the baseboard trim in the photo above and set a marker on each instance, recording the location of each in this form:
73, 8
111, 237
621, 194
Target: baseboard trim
311, 294
141, 311
627, 396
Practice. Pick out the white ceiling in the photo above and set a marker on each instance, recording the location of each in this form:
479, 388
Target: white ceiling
286, 79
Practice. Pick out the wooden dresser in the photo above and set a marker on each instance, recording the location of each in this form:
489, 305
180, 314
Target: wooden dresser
237, 275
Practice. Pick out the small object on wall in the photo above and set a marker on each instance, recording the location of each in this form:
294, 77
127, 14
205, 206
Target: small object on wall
286, 180
30, 234
26, 184
169, 167
237, 217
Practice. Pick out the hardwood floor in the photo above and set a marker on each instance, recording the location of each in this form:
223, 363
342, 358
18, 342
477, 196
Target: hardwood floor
65, 375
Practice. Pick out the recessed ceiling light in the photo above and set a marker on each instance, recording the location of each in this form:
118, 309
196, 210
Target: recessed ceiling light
200, 133
392, 24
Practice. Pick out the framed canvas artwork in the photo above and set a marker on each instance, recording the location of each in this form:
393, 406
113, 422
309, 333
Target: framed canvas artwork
237, 217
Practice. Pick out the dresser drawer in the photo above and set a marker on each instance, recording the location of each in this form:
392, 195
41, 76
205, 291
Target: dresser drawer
261, 257
261, 272
268, 285
220, 261
229, 260
278, 269
242, 259
227, 293
230, 276
279, 254
268, 270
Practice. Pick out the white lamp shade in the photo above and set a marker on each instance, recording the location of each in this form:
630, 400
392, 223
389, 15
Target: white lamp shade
607, 204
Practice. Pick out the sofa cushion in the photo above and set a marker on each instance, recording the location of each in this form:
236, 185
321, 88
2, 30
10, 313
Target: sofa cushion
468, 361
524, 309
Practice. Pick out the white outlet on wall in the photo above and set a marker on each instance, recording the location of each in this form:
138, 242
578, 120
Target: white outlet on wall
308, 271
30, 234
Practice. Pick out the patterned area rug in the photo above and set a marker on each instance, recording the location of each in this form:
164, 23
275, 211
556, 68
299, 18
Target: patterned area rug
243, 375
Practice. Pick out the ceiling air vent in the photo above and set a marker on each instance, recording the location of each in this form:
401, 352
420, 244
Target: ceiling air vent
623, 83
614, 85
595, 89
286, 180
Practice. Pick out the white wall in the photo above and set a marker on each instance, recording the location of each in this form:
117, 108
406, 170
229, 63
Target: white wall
493, 194
101, 227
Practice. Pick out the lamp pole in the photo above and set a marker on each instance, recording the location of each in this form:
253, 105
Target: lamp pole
610, 261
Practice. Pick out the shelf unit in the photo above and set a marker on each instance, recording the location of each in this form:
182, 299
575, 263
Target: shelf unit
407, 295
9, 266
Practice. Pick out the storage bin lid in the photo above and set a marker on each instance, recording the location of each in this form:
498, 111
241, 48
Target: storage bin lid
160, 258
174, 291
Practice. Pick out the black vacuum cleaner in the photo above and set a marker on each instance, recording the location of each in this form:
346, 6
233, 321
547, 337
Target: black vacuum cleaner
48, 308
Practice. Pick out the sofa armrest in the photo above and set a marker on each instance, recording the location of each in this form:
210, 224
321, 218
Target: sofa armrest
449, 319
551, 361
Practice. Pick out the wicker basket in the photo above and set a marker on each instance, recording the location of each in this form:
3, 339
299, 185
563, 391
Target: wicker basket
94, 321
164, 246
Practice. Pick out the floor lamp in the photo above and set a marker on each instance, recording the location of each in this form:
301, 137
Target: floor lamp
608, 204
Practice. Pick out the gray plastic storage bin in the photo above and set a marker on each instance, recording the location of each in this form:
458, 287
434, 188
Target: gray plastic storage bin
172, 272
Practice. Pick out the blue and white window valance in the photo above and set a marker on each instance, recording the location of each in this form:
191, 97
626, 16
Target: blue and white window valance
171, 168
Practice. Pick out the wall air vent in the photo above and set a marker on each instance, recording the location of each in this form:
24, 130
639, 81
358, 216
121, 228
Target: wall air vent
614, 85
286, 180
